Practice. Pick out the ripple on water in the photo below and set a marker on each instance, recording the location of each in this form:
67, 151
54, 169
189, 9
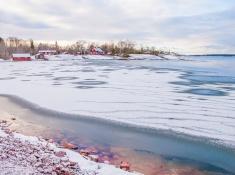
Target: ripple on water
206, 92
90, 83
7, 78
229, 88
88, 70
40, 75
65, 78
57, 84
205, 79
84, 87
185, 83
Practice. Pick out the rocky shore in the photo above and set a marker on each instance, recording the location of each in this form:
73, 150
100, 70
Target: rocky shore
26, 155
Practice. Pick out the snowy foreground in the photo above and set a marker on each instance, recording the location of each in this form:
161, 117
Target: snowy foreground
24, 155
123, 92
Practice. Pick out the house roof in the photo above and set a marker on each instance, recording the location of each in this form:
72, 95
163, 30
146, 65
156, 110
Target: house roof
20, 55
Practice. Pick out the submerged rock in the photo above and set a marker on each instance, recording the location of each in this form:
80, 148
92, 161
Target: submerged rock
125, 166
69, 146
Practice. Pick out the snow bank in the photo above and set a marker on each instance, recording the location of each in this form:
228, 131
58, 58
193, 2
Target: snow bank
170, 57
63, 57
98, 57
144, 56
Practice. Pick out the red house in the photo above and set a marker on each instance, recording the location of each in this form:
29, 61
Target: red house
96, 51
21, 57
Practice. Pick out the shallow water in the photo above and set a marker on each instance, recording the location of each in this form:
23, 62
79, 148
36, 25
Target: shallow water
195, 97
140, 147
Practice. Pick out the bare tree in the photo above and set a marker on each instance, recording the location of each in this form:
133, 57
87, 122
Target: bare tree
32, 47
2, 48
126, 47
80, 46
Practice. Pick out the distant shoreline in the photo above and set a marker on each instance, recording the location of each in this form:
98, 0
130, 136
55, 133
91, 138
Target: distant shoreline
213, 55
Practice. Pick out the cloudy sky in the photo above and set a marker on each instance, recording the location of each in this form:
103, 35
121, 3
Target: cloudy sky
187, 26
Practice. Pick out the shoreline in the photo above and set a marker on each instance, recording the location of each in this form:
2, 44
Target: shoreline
137, 128
23, 106
22, 154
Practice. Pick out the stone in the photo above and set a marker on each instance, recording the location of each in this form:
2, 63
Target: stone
125, 166
84, 152
69, 146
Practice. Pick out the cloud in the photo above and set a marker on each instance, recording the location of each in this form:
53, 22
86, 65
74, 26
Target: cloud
186, 25
9, 18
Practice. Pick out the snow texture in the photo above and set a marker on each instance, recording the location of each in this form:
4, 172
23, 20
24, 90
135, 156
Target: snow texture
124, 93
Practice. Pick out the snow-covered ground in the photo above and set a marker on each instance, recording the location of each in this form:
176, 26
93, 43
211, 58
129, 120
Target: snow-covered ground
30, 155
170, 57
65, 57
124, 93
99, 57
144, 56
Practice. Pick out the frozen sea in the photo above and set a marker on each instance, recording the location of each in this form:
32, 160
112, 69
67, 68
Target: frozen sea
195, 96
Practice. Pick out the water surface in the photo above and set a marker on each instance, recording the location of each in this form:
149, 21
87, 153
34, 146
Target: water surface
190, 106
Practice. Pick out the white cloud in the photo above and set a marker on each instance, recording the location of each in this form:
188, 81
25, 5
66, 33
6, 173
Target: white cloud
187, 25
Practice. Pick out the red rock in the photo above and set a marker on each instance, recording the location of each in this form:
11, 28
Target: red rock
84, 152
92, 150
60, 154
125, 166
69, 146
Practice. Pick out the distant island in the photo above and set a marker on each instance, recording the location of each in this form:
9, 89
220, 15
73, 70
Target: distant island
124, 48
213, 55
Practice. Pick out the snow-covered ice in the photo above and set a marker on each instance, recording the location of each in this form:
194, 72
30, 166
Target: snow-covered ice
144, 56
124, 92
98, 57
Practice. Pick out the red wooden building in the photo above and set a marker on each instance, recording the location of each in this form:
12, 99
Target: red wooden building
21, 57
96, 51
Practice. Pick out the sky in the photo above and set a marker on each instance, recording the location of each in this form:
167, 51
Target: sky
185, 26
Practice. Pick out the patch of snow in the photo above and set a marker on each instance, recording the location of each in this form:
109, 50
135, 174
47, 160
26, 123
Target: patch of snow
10, 168
98, 57
144, 56
63, 57
2, 133
170, 57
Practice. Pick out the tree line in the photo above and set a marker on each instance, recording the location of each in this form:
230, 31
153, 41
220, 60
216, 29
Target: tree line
122, 48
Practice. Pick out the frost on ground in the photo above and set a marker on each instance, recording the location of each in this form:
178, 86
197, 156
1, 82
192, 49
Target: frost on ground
23, 155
